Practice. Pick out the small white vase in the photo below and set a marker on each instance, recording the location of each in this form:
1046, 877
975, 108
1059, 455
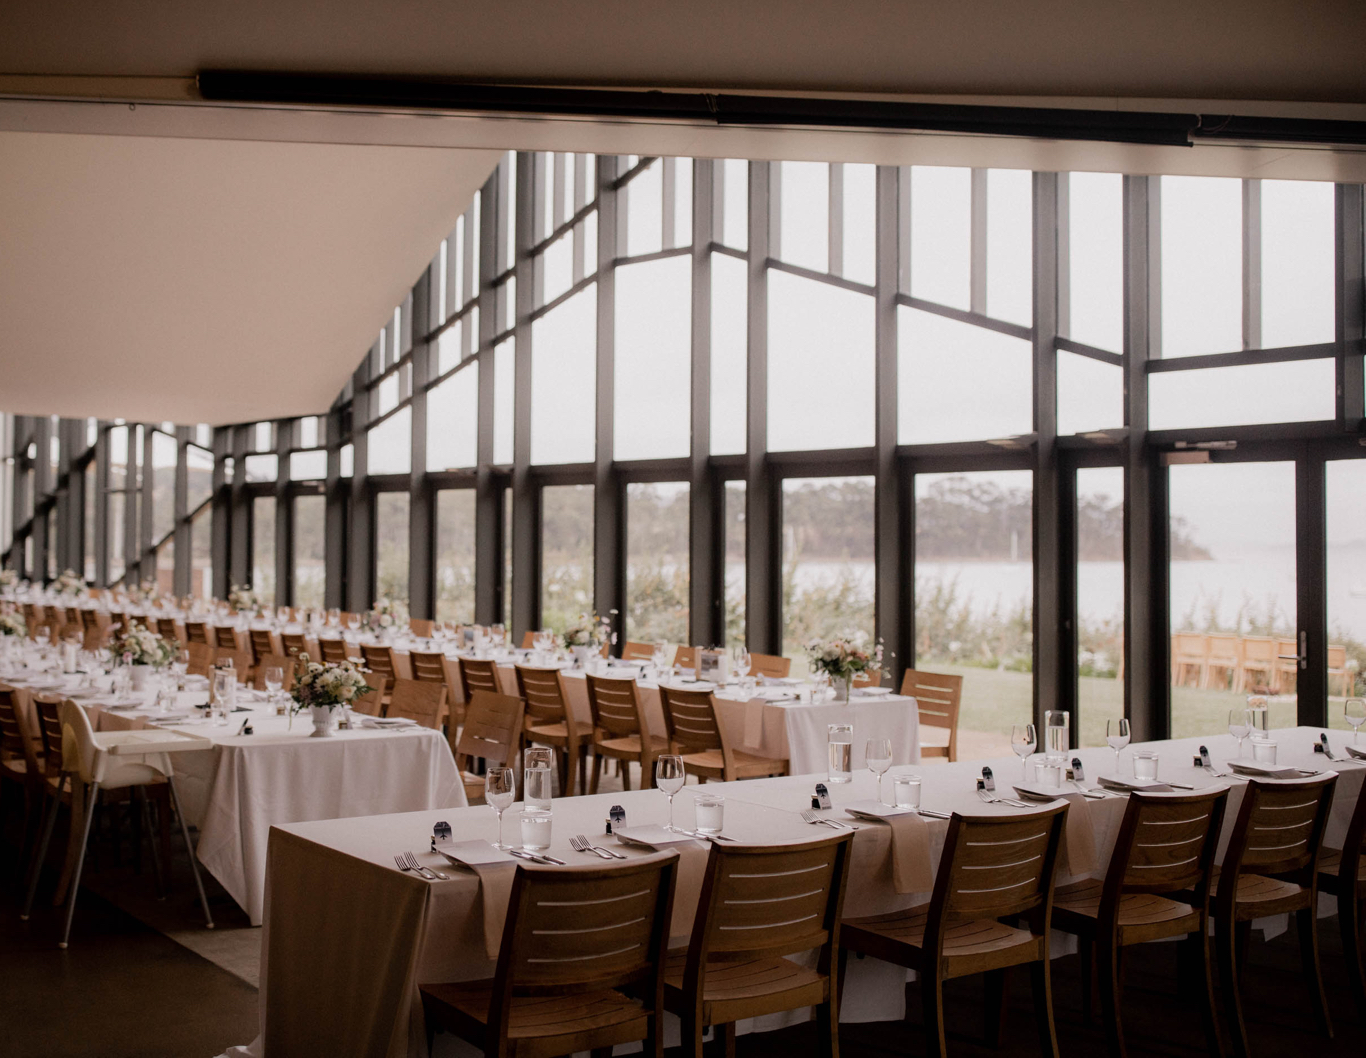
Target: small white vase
140, 676
581, 656
323, 725
841, 689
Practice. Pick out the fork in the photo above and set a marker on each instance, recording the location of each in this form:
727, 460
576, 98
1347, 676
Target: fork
426, 872
580, 843
812, 816
991, 799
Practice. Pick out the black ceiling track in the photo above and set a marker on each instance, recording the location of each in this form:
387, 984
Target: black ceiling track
1114, 126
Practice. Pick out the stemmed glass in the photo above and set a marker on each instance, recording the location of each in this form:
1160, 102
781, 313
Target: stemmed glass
1023, 740
1239, 725
659, 658
500, 789
877, 754
1117, 736
1355, 711
742, 662
670, 777
275, 681
353, 622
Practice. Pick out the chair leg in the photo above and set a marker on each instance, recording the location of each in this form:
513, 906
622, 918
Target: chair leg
1108, 958
1225, 938
194, 863
994, 1013
690, 1035
827, 1029
94, 801
932, 1001
625, 770
43, 844
1349, 923
1307, 924
1087, 951
1209, 1012
726, 1034
1041, 979
158, 874
597, 771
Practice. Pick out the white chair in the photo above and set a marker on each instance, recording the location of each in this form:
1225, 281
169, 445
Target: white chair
111, 761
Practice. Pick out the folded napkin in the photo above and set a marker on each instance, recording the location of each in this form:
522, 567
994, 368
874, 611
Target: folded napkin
910, 843
1130, 785
1268, 771
651, 835
1358, 754
387, 721
1037, 792
872, 692
1078, 832
495, 870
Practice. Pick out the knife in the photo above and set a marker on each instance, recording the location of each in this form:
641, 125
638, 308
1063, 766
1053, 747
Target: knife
522, 854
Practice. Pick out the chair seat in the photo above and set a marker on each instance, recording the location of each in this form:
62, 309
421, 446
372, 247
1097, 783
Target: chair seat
558, 732
596, 1019
1330, 860
15, 767
747, 765
1260, 895
474, 785
1076, 906
979, 939
935, 736
741, 984
629, 746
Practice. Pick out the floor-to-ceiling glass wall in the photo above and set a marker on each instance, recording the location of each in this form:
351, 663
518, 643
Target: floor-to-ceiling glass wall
657, 562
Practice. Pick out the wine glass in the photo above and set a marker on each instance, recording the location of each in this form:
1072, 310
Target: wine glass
275, 680
877, 754
1355, 711
1117, 736
500, 789
1023, 740
670, 777
1239, 725
743, 662
353, 622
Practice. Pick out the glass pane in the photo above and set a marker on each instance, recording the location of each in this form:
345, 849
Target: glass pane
87, 528
1232, 592
735, 562
263, 548
558, 265
450, 346
564, 382
262, 467
860, 222
164, 574
310, 550
1346, 503
974, 590
657, 562
453, 421
307, 466
566, 554
263, 436
957, 382
645, 211
729, 361
682, 201
820, 365
1202, 265
1095, 240
828, 562
1090, 394
653, 359
941, 235
115, 537
1100, 601
118, 458
507, 556
735, 213
1010, 245
308, 431
390, 445
504, 357
1295, 391
805, 215
391, 546
1297, 263
164, 451
201, 555
199, 471
455, 555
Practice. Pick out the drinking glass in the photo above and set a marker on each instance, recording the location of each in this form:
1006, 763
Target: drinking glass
840, 742
353, 622
877, 754
1259, 717
670, 777
1239, 724
1057, 729
275, 680
1145, 765
742, 662
500, 790
1355, 711
536, 829
536, 765
1263, 751
906, 792
1117, 736
659, 658
1023, 739
282, 614
711, 813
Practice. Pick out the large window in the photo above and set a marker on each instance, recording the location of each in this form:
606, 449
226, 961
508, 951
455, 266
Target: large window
1100, 600
657, 563
263, 548
391, 546
566, 554
455, 555
310, 550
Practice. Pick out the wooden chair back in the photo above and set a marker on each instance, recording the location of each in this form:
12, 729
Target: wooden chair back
770, 665
1354, 845
93, 639
993, 867
690, 719
619, 935
201, 658
241, 661
767, 901
479, 675
637, 651
616, 706
1279, 827
379, 659
90, 619
294, 643
492, 731
372, 703
333, 651
73, 617
685, 657
416, 700
1166, 844
274, 661
939, 698
529, 639
49, 709
12, 745
421, 627
167, 630
543, 693
262, 643
225, 637
196, 632
429, 667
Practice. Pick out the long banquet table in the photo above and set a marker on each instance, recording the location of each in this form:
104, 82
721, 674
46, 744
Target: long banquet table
348, 938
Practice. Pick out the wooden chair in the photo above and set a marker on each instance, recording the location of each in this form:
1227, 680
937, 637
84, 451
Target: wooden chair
90, 619
333, 651
492, 732
994, 870
15, 751
201, 658
241, 662
57, 785
529, 640
580, 967
620, 731
167, 630
380, 659
939, 698
546, 720
274, 661
1223, 661
1188, 653
72, 616
1257, 668
423, 702
769, 666
225, 637
1342, 872
686, 657
196, 632
696, 732
93, 639
372, 703
479, 675
430, 667
1270, 867
262, 643
637, 651
1157, 886
1337, 669
294, 643
421, 627
1287, 666
759, 904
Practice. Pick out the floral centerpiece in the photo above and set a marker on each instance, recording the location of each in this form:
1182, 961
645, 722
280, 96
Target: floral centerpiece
845, 657
8, 578
144, 650
12, 624
587, 636
68, 583
320, 688
388, 615
243, 599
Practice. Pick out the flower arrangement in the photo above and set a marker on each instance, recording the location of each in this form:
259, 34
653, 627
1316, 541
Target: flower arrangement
591, 631
12, 624
845, 657
326, 686
243, 599
68, 583
135, 645
8, 578
387, 614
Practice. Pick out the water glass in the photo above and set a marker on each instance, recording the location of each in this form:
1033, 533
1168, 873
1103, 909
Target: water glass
275, 679
906, 792
1023, 740
1145, 765
711, 812
536, 772
1049, 773
1259, 716
840, 741
877, 754
670, 777
1057, 726
500, 790
536, 826
1263, 751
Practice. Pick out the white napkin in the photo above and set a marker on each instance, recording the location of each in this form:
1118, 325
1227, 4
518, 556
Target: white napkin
1038, 792
651, 835
1359, 754
1130, 785
1267, 771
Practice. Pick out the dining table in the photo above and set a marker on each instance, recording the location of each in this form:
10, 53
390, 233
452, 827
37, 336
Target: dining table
349, 936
